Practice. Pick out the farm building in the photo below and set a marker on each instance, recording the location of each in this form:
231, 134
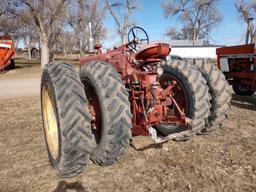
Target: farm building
186, 49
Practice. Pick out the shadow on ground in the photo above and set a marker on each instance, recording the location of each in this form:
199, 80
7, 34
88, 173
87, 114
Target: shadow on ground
64, 186
245, 102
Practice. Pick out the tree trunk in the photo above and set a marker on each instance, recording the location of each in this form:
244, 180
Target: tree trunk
45, 52
194, 36
29, 48
65, 52
51, 55
81, 50
123, 38
81, 45
16, 43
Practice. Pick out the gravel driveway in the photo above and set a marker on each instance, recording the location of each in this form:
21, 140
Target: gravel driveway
10, 88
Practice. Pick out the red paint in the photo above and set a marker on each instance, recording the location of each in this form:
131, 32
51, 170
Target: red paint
239, 49
151, 103
239, 65
6, 53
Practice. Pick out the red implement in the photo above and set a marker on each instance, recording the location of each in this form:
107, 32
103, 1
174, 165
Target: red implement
6, 51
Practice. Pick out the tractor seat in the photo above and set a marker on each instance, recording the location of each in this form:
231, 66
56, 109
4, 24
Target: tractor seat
151, 51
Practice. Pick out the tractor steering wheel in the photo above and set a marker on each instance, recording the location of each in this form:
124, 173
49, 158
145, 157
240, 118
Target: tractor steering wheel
136, 36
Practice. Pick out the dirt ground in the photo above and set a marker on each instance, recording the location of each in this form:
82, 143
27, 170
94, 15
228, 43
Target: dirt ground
221, 161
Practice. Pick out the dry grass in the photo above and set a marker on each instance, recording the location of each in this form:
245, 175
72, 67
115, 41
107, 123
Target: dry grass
29, 68
222, 161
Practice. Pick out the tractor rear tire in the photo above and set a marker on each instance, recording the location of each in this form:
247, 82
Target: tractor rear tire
66, 119
111, 107
239, 89
197, 96
220, 94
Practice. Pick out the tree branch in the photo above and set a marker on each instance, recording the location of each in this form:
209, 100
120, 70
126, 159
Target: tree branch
109, 7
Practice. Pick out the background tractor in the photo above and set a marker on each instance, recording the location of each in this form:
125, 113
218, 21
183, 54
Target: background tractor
129, 90
238, 63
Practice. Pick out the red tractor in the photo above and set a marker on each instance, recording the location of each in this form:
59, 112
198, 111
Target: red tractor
129, 90
238, 63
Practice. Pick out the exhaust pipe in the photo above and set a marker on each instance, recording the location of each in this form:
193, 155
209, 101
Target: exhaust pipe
249, 33
90, 41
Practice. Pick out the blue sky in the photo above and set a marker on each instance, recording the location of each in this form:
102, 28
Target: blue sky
230, 32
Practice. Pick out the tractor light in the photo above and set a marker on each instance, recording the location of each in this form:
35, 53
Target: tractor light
160, 71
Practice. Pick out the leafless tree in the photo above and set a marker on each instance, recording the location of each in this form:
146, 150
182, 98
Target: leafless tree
9, 24
5, 27
67, 43
28, 32
47, 16
197, 16
121, 12
184, 33
96, 14
19, 27
247, 11
2, 8
80, 13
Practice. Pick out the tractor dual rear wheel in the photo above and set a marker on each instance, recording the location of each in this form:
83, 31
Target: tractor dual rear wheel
220, 93
191, 94
66, 119
110, 108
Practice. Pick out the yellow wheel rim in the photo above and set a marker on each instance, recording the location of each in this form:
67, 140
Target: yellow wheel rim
50, 122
